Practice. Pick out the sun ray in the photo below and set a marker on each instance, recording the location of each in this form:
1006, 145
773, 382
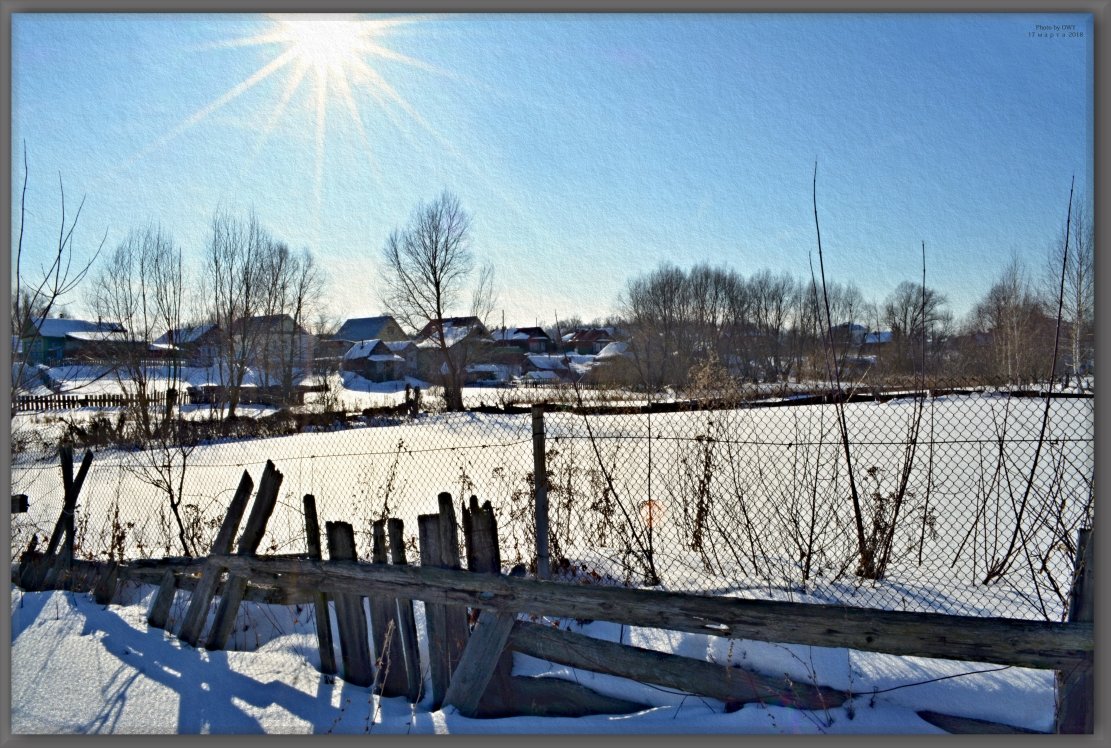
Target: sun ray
353, 109
234, 92
287, 95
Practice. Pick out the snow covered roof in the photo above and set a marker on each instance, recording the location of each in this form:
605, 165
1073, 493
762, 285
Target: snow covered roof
542, 376
399, 345
102, 336
547, 362
183, 335
880, 336
614, 349
59, 328
375, 350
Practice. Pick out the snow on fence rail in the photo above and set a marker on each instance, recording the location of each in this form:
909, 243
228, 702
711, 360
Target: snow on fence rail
470, 668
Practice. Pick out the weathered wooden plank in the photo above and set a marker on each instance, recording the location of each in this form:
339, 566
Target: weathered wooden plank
435, 613
320, 600
672, 671
554, 697
480, 657
388, 657
480, 536
107, 582
1034, 644
969, 726
236, 586
350, 616
456, 628
406, 621
163, 600
1076, 685
201, 599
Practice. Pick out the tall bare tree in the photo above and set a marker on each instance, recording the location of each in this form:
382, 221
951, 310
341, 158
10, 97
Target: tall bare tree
235, 291
38, 292
428, 268
141, 286
1078, 309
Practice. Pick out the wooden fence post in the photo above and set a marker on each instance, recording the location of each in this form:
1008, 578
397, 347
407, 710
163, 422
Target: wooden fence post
160, 608
447, 625
486, 665
320, 599
540, 483
236, 585
406, 622
1076, 687
350, 616
383, 625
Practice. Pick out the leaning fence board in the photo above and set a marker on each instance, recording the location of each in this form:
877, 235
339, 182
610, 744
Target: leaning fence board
261, 510
480, 657
664, 669
1034, 644
406, 621
201, 599
320, 600
65, 527
350, 616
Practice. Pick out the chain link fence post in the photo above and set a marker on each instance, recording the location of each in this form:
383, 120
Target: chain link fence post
540, 482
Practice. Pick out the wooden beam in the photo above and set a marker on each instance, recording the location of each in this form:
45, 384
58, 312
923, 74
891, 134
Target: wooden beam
1076, 685
663, 669
236, 585
201, 599
1034, 644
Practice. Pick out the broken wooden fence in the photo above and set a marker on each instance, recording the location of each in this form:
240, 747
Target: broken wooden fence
473, 617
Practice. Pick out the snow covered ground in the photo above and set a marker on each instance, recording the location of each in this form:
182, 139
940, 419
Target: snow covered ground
78, 667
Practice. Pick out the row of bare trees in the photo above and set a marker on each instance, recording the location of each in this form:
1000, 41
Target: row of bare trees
767, 327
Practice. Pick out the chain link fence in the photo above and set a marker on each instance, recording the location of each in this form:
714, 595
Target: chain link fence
957, 499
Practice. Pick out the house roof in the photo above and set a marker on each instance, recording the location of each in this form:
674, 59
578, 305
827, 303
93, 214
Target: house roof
102, 336
267, 320
183, 335
455, 330
614, 349
588, 335
519, 333
880, 336
363, 328
399, 345
375, 350
59, 328
547, 362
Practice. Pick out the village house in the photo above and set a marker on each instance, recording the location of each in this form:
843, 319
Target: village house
374, 361
197, 345
50, 341
465, 338
587, 340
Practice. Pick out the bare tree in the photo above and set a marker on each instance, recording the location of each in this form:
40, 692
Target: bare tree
1010, 331
36, 293
141, 286
914, 314
428, 268
235, 294
1078, 309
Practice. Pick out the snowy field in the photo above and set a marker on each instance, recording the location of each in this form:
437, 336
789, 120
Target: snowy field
751, 502
119, 676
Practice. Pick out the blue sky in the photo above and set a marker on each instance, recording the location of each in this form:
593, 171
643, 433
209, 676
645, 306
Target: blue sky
589, 148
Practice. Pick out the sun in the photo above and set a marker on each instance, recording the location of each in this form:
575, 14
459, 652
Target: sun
330, 59
329, 44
